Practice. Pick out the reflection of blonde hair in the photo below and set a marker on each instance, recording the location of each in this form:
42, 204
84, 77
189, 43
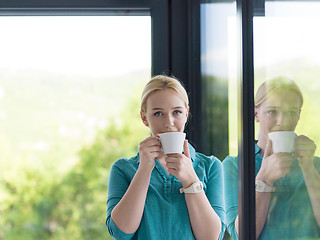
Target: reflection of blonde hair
161, 82
276, 85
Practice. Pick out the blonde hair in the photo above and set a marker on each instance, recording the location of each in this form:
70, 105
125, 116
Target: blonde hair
276, 85
161, 82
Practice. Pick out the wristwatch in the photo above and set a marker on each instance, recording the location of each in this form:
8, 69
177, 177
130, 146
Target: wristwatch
194, 188
261, 186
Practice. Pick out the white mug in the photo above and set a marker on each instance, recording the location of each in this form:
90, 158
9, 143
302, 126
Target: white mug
172, 142
282, 141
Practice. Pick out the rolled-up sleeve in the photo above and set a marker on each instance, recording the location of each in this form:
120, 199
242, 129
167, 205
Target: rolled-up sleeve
230, 170
118, 185
215, 193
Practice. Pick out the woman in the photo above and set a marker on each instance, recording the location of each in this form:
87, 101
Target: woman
144, 201
287, 185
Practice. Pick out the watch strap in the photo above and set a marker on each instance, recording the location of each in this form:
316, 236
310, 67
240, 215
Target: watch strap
195, 187
261, 186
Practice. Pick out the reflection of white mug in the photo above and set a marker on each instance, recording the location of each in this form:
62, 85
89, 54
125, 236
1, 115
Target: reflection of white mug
282, 141
172, 142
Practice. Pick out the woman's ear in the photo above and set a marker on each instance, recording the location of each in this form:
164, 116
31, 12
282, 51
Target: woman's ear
299, 114
187, 112
256, 114
144, 119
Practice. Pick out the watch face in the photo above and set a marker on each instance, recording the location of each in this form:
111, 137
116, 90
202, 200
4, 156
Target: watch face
259, 188
199, 186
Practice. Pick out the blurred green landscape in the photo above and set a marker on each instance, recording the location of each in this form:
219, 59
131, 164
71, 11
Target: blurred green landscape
59, 136
41, 112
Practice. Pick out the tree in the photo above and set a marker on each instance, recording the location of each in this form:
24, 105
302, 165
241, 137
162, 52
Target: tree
45, 204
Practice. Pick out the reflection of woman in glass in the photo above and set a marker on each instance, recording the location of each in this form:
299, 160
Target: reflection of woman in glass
287, 185
144, 199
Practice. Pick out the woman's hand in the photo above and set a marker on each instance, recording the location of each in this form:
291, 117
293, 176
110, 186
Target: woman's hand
274, 166
180, 165
149, 149
304, 151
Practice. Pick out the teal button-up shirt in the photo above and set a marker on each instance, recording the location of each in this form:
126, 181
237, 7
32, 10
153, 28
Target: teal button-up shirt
290, 212
165, 213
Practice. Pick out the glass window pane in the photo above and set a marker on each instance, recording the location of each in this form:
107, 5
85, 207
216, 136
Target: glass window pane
219, 92
218, 77
286, 58
69, 97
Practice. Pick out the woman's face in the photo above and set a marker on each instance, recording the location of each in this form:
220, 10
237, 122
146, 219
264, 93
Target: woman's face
165, 112
280, 112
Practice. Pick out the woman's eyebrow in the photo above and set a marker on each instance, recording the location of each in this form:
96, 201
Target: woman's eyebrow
272, 107
178, 107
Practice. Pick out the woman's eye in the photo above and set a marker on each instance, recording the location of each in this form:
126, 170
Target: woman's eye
157, 114
177, 112
271, 112
292, 113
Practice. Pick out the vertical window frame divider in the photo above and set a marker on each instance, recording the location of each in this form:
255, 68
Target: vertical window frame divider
185, 59
246, 159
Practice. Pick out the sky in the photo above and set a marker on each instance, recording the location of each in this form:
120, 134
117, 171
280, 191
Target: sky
288, 31
80, 45
114, 45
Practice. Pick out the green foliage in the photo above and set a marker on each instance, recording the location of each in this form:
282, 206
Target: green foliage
46, 204
28, 205
215, 116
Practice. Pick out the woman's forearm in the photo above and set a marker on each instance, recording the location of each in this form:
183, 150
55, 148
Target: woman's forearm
204, 220
128, 212
262, 208
312, 181
263, 198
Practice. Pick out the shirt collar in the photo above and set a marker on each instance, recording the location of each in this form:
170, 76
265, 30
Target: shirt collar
257, 149
192, 152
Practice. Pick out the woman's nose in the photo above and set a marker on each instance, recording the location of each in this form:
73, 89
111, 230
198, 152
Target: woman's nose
168, 121
280, 119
